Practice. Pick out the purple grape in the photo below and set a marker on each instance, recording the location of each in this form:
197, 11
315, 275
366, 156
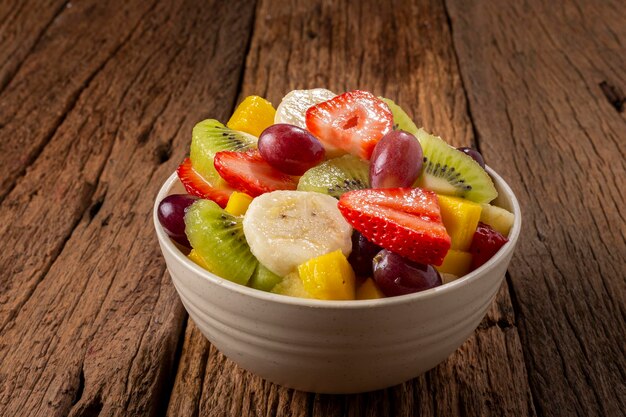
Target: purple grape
396, 275
363, 251
171, 215
396, 161
290, 149
474, 154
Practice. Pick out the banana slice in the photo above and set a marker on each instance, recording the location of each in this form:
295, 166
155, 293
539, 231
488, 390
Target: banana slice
292, 109
287, 228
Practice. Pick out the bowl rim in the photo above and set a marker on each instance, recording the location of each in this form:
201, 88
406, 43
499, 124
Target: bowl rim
167, 245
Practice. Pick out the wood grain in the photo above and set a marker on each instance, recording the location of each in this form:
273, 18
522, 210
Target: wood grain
89, 319
21, 30
97, 101
397, 53
534, 76
70, 51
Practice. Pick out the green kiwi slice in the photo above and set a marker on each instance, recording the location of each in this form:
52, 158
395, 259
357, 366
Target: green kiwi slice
449, 171
401, 120
218, 238
209, 137
336, 176
263, 279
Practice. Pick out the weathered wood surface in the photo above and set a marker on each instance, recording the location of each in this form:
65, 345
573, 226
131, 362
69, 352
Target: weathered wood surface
21, 31
544, 122
89, 319
97, 100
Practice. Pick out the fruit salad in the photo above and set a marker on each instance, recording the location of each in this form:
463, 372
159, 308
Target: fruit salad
332, 197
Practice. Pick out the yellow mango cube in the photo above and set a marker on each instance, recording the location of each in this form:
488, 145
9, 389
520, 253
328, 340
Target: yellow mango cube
328, 277
460, 217
369, 291
238, 203
253, 115
456, 263
195, 256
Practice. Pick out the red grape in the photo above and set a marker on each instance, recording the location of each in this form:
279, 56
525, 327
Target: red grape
290, 149
171, 213
396, 161
474, 154
396, 275
363, 251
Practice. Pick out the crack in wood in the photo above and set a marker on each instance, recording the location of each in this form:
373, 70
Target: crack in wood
169, 385
614, 95
95, 207
163, 152
80, 389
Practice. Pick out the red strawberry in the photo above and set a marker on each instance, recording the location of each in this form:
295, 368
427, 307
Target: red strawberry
351, 122
250, 173
406, 221
485, 243
197, 185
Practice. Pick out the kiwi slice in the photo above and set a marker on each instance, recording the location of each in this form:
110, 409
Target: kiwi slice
401, 120
217, 237
209, 137
449, 171
336, 176
263, 279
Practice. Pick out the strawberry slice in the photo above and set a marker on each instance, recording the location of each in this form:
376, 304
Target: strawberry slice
197, 185
406, 221
250, 173
485, 243
352, 122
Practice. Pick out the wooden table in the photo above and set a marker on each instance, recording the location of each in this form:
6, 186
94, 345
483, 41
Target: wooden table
97, 102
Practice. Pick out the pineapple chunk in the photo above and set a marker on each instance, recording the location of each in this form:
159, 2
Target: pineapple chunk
238, 203
456, 263
253, 115
292, 286
460, 217
500, 219
369, 291
328, 277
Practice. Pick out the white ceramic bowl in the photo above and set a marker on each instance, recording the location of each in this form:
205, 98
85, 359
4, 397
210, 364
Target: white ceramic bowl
336, 346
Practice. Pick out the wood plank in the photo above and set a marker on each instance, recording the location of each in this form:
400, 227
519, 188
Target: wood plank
28, 203
50, 78
21, 30
208, 384
91, 321
404, 52
537, 77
